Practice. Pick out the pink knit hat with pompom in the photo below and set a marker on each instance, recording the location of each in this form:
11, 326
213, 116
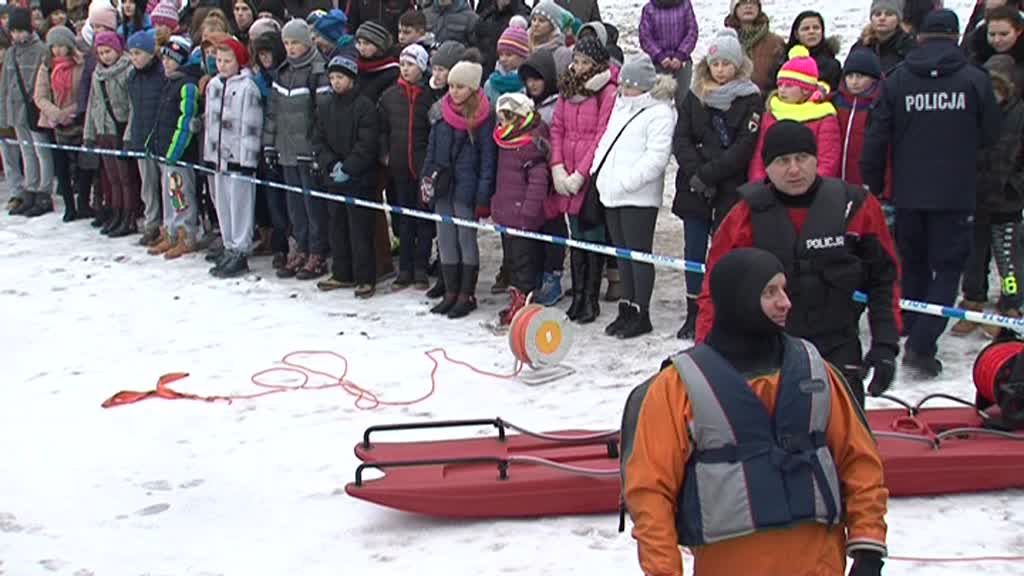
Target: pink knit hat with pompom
800, 70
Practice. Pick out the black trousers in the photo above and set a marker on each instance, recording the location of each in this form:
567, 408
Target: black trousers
272, 207
632, 227
415, 235
847, 359
524, 262
352, 235
554, 254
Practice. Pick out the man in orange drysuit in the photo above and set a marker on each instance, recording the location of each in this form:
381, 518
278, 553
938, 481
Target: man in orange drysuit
749, 450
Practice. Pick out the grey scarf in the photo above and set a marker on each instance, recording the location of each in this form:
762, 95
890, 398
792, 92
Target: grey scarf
721, 98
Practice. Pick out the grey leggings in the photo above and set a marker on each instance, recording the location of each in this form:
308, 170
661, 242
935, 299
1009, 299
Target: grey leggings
632, 227
456, 244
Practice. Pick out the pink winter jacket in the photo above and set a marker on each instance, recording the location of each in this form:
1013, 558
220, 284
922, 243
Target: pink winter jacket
576, 128
825, 126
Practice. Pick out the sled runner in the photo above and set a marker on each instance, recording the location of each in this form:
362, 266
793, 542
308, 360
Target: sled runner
925, 451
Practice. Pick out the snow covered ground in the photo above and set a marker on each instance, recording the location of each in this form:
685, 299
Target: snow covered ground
255, 488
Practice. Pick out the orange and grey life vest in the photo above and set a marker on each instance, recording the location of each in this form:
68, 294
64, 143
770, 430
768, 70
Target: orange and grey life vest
750, 470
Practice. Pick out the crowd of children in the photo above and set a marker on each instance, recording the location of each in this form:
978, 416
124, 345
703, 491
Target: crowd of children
530, 116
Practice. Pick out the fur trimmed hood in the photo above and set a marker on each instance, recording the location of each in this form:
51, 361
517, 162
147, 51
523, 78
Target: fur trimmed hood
664, 88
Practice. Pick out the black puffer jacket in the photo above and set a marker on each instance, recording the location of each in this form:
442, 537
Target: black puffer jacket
383, 12
346, 132
405, 127
1001, 167
698, 149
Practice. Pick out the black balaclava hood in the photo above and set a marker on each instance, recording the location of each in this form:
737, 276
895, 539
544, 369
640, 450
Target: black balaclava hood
741, 332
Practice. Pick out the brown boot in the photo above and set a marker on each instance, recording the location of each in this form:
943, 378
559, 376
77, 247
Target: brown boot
992, 330
165, 243
964, 327
263, 247
182, 247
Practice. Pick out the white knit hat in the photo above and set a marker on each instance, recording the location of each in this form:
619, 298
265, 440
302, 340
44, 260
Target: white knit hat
515, 102
466, 73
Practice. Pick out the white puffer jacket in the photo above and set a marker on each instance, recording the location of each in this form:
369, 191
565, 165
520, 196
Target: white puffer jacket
234, 122
634, 172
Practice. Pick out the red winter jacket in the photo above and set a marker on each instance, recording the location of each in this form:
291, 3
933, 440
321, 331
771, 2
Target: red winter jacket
868, 238
854, 114
820, 117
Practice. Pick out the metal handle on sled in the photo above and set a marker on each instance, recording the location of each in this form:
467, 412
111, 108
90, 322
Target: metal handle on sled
502, 464
496, 422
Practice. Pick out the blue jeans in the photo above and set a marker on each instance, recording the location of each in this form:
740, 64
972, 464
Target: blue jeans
696, 234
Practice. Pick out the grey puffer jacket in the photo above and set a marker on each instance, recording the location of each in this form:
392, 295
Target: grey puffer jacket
97, 117
288, 124
456, 21
234, 122
24, 59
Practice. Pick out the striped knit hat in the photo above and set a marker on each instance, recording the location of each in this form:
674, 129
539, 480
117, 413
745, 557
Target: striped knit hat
514, 40
800, 70
165, 14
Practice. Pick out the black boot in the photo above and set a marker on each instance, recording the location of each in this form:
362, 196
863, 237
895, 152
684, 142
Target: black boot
234, 265
42, 204
70, 212
113, 223
450, 273
689, 329
466, 302
437, 290
84, 210
103, 216
27, 201
127, 227
591, 288
578, 267
639, 323
624, 318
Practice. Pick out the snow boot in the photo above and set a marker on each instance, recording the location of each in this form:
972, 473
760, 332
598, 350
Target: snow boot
150, 237
215, 255
991, 330
365, 291
103, 215
614, 290
438, 290
24, 204
165, 243
639, 323
402, 281
450, 273
42, 204
183, 245
516, 302
296, 260
578, 268
70, 211
235, 265
278, 260
550, 291
625, 317
963, 327
13, 204
500, 285
689, 329
126, 227
466, 301
420, 280
84, 209
591, 288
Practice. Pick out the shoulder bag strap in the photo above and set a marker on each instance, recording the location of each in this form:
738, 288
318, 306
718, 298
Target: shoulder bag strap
615, 141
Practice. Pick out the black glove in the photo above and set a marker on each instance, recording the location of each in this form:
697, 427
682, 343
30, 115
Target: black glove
270, 156
703, 190
867, 563
881, 360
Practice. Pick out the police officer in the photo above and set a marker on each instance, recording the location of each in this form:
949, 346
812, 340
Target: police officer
832, 240
936, 111
749, 449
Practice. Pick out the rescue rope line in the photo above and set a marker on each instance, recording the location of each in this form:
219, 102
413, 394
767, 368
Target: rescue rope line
950, 312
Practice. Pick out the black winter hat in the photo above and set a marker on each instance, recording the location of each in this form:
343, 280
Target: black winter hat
736, 283
941, 22
787, 137
275, 7
863, 61
20, 19
592, 48
48, 7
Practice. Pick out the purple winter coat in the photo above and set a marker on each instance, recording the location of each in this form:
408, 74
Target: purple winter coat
576, 128
523, 183
668, 29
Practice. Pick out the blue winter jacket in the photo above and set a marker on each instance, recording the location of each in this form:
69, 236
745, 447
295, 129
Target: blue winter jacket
936, 111
144, 92
473, 162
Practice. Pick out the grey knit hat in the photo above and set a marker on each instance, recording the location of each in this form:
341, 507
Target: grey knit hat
375, 34
297, 31
638, 73
894, 6
550, 11
447, 54
726, 46
60, 36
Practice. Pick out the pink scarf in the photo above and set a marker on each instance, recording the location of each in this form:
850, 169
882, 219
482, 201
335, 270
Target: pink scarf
62, 80
452, 112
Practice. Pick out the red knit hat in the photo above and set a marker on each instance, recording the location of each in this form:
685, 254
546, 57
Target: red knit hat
800, 70
236, 46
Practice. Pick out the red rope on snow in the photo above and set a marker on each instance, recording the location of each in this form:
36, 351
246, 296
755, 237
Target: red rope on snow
365, 399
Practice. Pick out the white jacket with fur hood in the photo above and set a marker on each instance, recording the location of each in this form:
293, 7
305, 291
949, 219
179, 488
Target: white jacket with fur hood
634, 172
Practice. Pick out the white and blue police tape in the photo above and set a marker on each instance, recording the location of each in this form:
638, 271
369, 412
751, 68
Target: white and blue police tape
1016, 324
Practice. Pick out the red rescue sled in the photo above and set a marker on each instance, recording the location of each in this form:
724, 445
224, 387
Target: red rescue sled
924, 452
